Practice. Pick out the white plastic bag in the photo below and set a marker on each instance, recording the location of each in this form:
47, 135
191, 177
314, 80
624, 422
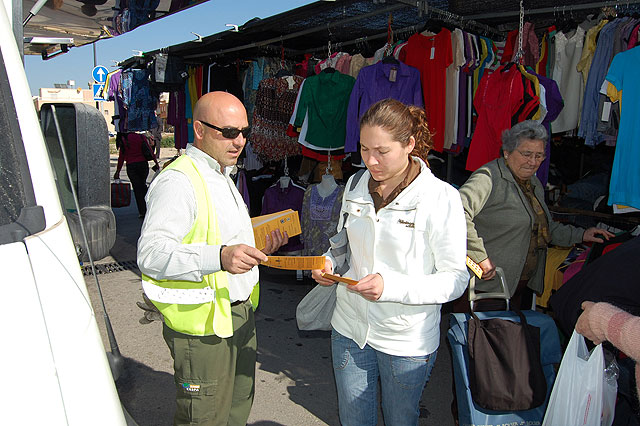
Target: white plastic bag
315, 310
580, 388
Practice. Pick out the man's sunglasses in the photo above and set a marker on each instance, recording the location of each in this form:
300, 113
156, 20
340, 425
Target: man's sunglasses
229, 132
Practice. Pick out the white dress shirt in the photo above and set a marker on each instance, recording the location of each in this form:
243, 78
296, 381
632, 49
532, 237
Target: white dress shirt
171, 212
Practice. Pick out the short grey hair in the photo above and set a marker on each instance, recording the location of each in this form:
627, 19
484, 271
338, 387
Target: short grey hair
513, 137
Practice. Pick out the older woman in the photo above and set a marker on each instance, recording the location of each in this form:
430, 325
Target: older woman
508, 223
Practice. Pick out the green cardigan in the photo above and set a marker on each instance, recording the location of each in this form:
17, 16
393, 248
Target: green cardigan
499, 223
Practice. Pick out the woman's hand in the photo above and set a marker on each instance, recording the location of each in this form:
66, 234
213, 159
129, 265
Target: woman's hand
316, 274
589, 235
488, 269
116, 176
370, 287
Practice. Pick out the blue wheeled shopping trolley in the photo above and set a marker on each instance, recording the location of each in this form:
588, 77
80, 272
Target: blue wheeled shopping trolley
469, 414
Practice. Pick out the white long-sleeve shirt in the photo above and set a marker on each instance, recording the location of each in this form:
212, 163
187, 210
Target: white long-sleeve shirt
171, 212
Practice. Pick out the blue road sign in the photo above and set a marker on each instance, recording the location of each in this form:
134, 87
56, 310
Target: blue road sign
97, 92
100, 74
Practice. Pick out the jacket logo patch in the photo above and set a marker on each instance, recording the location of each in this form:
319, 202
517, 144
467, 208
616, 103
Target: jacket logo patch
191, 388
407, 224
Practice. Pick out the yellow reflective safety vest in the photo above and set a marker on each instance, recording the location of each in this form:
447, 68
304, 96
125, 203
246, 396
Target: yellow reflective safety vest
197, 308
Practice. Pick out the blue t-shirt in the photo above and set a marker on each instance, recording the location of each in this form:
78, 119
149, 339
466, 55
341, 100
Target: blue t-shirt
625, 175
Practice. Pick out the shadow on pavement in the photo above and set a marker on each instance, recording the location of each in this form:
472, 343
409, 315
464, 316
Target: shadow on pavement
144, 391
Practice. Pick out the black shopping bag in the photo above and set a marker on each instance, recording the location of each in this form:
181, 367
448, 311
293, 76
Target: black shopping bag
505, 372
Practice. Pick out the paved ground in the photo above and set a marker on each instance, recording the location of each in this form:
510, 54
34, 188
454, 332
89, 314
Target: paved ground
294, 378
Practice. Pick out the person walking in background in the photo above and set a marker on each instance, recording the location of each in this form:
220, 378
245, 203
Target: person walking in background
155, 135
200, 268
130, 146
508, 223
408, 244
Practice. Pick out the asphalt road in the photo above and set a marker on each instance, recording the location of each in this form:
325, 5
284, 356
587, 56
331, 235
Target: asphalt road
294, 377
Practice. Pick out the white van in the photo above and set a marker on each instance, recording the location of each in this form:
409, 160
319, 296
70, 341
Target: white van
54, 366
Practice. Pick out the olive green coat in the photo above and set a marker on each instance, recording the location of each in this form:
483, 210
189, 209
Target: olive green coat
499, 223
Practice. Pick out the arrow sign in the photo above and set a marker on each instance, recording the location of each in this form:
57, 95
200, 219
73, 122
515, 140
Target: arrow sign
100, 74
97, 92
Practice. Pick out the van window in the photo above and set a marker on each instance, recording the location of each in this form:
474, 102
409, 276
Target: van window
66, 115
13, 169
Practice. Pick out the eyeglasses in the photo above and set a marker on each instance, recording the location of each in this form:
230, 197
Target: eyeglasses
229, 132
536, 156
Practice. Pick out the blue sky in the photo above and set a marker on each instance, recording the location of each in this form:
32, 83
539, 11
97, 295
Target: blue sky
204, 19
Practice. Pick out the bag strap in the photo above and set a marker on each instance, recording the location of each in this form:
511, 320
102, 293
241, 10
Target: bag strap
354, 181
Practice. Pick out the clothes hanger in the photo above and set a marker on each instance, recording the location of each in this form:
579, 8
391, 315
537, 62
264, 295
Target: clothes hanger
390, 59
327, 183
283, 71
285, 180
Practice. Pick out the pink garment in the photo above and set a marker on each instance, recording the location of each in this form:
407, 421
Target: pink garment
343, 64
329, 62
529, 45
575, 267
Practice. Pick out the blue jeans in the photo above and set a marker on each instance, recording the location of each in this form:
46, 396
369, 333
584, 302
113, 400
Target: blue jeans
402, 380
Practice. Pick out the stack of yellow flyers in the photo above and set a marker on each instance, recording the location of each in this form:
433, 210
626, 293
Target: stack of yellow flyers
286, 220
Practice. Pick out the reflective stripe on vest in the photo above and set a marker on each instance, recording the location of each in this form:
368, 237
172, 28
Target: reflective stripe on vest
188, 306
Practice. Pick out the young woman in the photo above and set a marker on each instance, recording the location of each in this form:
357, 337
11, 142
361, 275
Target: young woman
407, 237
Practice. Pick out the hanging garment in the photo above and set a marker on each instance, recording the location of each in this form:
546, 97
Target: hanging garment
431, 56
319, 219
176, 117
275, 102
142, 105
167, 73
452, 97
114, 93
224, 78
568, 78
589, 49
541, 66
243, 189
510, 47
601, 60
377, 82
357, 63
251, 80
553, 102
325, 97
624, 187
530, 45
277, 199
502, 98
301, 132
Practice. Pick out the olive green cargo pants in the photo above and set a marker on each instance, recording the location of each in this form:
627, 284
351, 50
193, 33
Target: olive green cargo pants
215, 378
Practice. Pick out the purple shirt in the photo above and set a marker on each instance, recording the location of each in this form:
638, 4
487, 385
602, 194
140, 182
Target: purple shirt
277, 199
554, 105
375, 83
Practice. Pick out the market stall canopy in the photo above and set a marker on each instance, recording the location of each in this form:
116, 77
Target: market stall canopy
355, 25
72, 23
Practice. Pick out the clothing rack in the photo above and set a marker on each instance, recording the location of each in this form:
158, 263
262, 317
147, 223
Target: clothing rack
406, 30
555, 9
462, 21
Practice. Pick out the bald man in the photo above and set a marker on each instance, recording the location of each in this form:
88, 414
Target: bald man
199, 263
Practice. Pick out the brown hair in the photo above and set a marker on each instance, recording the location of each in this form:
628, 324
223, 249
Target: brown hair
401, 122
